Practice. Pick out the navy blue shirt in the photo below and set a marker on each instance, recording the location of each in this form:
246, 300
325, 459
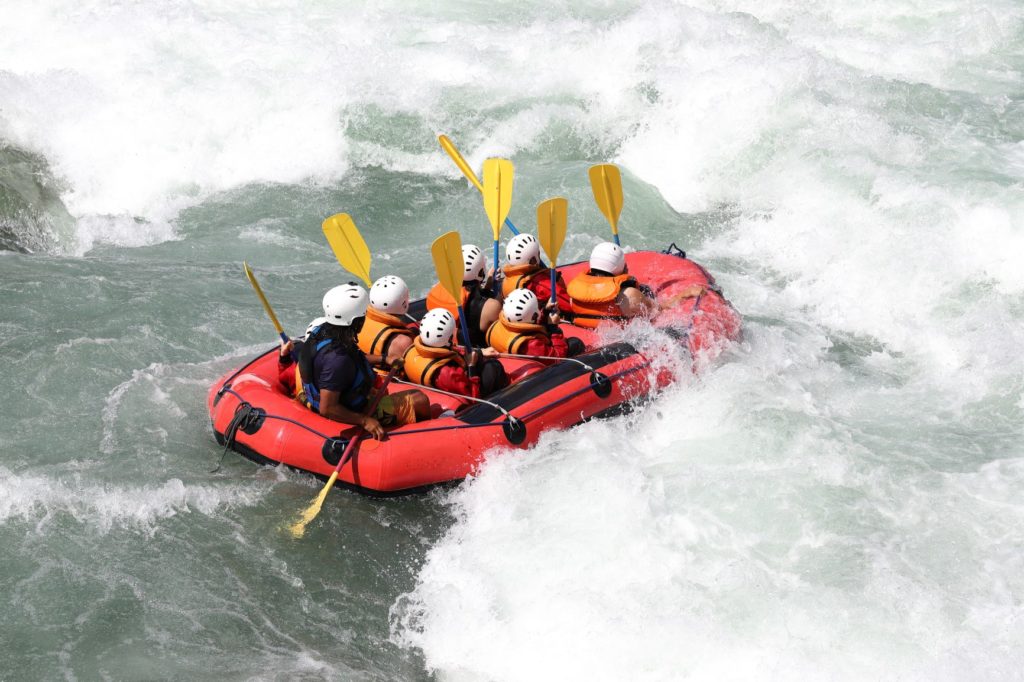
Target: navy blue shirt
334, 371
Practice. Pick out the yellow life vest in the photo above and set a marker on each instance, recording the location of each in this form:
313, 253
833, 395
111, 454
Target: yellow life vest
594, 298
422, 363
378, 330
520, 276
506, 336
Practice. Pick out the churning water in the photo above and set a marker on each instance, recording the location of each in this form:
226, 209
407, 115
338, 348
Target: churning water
839, 498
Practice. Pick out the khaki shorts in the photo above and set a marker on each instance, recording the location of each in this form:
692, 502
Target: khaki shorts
397, 409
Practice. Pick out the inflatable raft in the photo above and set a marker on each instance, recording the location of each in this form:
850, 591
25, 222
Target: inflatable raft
254, 415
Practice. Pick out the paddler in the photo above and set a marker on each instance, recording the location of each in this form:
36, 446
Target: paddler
286, 368
481, 307
522, 329
608, 292
337, 377
523, 271
385, 334
433, 361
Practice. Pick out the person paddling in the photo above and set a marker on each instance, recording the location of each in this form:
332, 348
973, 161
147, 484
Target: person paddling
608, 292
433, 361
481, 307
286, 368
522, 329
385, 334
524, 271
337, 377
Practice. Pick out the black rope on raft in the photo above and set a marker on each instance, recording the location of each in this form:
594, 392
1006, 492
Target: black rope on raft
246, 418
674, 250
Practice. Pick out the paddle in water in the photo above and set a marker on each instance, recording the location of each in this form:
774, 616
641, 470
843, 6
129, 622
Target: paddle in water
298, 529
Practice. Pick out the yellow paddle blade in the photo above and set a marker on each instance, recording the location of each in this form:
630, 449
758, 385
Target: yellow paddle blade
552, 221
348, 245
263, 299
606, 182
498, 175
447, 145
298, 528
447, 253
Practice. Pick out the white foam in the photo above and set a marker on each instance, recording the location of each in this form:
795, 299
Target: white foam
742, 527
39, 499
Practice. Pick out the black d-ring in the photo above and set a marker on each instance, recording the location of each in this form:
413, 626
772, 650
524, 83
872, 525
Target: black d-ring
601, 384
333, 449
515, 430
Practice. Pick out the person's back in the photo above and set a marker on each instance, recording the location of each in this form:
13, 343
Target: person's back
480, 306
384, 332
607, 291
523, 271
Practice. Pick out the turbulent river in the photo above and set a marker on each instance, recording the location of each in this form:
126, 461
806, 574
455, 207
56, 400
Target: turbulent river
840, 497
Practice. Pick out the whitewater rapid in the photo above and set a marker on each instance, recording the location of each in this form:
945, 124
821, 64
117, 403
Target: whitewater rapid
839, 498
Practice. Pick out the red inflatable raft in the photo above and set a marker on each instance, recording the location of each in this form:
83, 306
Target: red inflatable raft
252, 413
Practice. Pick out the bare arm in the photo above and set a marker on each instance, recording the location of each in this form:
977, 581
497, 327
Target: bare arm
396, 350
489, 314
632, 303
692, 291
331, 407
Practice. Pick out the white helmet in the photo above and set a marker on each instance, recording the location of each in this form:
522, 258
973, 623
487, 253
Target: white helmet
523, 249
313, 325
344, 304
608, 257
390, 295
521, 306
437, 328
473, 260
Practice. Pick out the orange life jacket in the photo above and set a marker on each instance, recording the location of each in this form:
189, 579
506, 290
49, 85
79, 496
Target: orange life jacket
378, 330
594, 298
520, 276
506, 336
423, 363
440, 298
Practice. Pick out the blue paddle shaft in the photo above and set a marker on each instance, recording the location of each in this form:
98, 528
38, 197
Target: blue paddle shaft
465, 337
616, 235
511, 226
554, 277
